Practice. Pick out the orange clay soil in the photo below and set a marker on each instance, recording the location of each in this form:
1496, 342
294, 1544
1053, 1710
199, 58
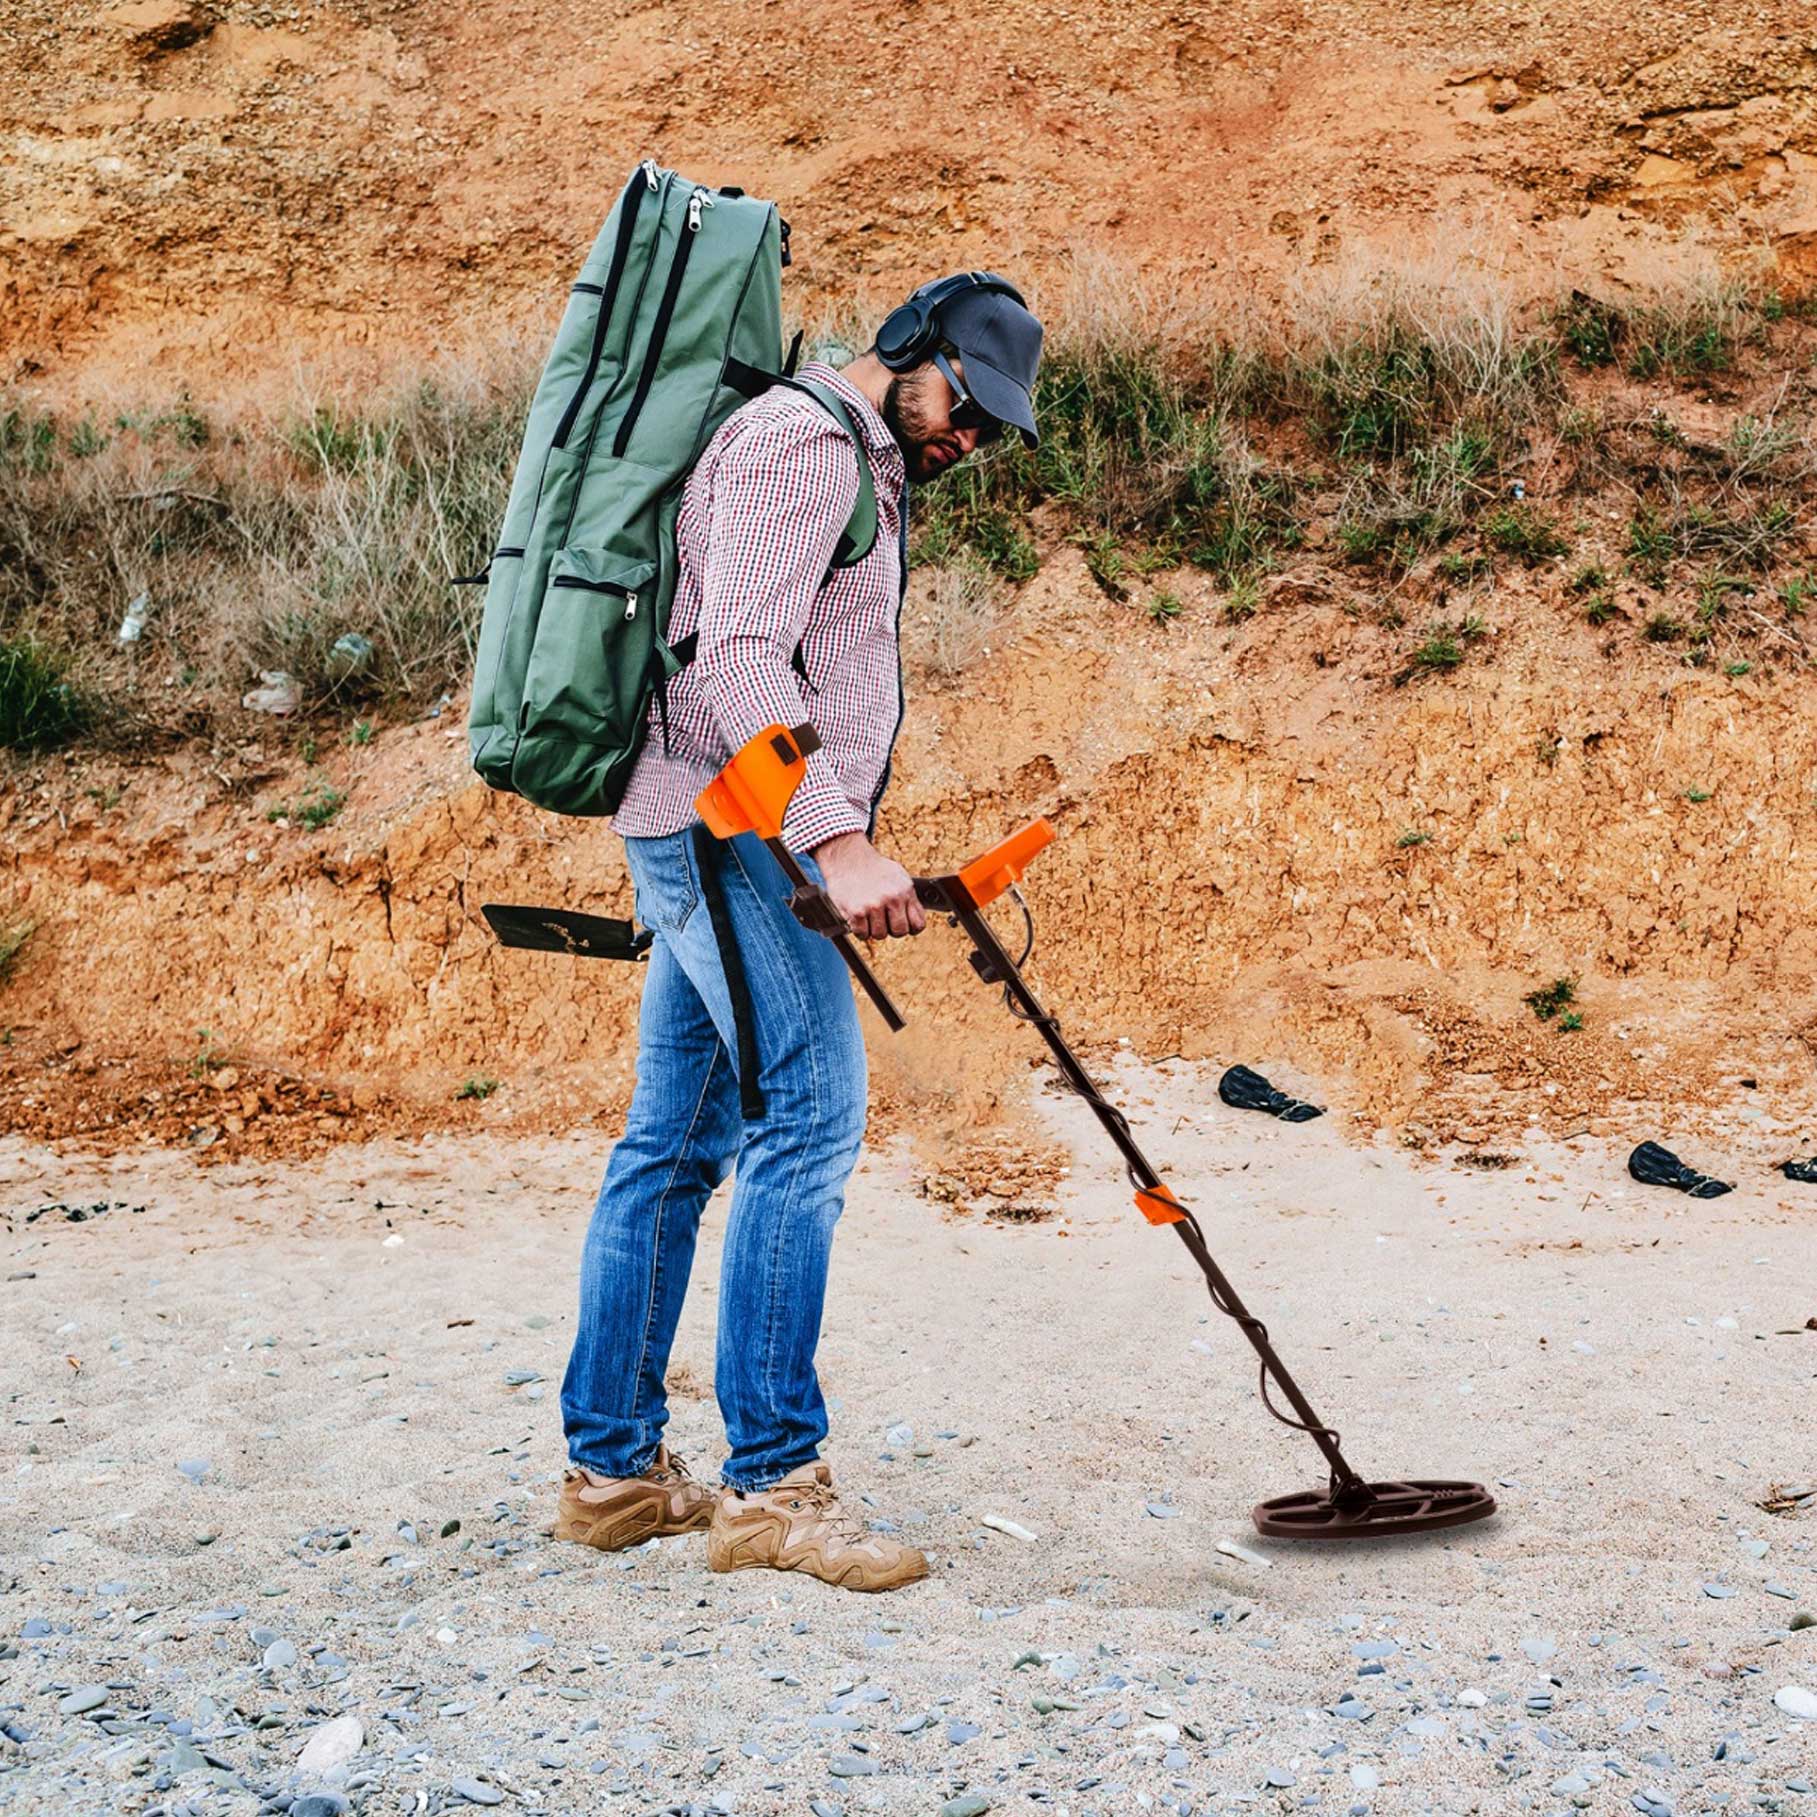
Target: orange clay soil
194, 190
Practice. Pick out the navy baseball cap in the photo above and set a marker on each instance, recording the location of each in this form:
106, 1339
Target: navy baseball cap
1000, 342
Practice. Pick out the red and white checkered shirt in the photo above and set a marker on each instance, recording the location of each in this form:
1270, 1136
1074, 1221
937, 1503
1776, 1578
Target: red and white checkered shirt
760, 518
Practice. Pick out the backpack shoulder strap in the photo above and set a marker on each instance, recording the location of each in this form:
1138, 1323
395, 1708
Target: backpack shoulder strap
859, 536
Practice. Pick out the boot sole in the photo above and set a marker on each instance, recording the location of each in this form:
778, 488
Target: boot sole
717, 1560
627, 1531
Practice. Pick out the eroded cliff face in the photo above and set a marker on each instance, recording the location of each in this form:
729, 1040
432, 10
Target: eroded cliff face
1268, 850
212, 190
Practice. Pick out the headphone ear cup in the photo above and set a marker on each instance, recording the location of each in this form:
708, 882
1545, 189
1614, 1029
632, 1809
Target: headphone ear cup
899, 339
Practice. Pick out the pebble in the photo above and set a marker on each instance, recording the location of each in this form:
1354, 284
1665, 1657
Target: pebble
1232, 1549
957, 1732
1719, 1590
331, 1746
83, 1699
36, 1628
967, 1804
1538, 1650
1572, 1783
475, 1791
1364, 1777
1001, 1523
1802, 1620
851, 1766
824, 1807
280, 1656
1795, 1700
195, 1468
1471, 1700
1279, 1776
1163, 1510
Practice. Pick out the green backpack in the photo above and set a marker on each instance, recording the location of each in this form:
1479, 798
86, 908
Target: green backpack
675, 322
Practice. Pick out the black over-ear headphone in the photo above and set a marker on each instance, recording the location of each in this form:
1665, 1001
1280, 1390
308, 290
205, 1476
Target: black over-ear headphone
911, 331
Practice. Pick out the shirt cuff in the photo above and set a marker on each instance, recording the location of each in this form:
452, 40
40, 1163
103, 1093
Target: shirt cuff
819, 810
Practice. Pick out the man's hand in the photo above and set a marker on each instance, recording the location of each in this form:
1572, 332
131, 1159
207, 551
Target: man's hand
874, 893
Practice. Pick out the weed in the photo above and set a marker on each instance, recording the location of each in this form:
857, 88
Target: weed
1446, 645
1521, 531
1164, 607
1796, 593
106, 799
318, 804
1487, 1158
86, 440
1243, 600
1662, 628
1589, 329
1571, 1021
1458, 566
950, 614
1599, 608
306, 747
1547, 1001
40, 708
1696, 795
478, 1085
1590, 578
1104, 562
13, 936
1712, 595
1412, 836
1579, 424
1692, 333
1548, 747
207, 1057
1735, 670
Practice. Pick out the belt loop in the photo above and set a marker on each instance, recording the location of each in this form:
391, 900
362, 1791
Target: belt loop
731, 962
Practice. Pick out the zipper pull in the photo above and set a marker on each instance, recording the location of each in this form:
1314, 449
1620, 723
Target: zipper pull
630, 607
694, 207
648, 167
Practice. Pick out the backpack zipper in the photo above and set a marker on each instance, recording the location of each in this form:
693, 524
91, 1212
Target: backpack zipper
630, 203
600, 586
664, 310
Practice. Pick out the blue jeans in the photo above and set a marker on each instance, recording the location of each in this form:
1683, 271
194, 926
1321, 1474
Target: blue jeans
683, 1134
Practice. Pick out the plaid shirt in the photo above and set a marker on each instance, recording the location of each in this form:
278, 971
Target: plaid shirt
760, 516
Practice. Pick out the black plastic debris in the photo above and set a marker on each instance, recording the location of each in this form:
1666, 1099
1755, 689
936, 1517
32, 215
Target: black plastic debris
1804, 1172
1245, 1090
1652, 1165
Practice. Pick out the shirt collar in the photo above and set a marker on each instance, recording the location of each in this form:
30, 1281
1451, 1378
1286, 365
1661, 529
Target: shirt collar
870, 426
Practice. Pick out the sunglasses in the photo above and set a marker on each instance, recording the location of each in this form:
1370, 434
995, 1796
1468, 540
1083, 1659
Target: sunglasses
967, 412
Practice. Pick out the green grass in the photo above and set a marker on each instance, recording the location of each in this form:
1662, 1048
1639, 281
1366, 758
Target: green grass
1521, 531
1697, 796
1549, 999
1571, 1021
480, 1086
40, 707
1662, 628
1412, 836
1164, 607
1599, 608
319, 803
1447, 645
1243, 600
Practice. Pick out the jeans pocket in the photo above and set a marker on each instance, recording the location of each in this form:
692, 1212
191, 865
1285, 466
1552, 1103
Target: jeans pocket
662, 874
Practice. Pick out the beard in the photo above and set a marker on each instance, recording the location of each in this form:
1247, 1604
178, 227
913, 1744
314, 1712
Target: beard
909, 419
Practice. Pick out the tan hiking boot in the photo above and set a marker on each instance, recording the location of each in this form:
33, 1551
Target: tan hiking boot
798, 1525
612, 1512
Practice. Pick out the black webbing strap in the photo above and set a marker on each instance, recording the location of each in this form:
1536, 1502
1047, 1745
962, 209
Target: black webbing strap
731, 962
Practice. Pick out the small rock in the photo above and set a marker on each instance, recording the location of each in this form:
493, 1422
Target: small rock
320, 1804
1719, 1590
1000, 1523
1279, 1776
331, 1746
824, 1807
1538, 1649
195, 1468
967, 1804
280, 1656
957, 1732
1471, 1700
851, 1766
1232, 1549
476, 1791
1802, 1620
1795, 1700
280, 695
1163, 1510
1364, 1777
82, 1699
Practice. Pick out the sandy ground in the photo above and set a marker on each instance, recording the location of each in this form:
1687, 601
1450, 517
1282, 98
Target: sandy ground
333, 1342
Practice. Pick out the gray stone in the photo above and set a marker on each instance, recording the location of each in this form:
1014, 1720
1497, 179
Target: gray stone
476, 1791
320, 1804
825, 1807
195, 1468
1279, 1776
851, 1766
82, 1699
1374, 1649
1539, 1650
967, 1804
279, 1656
957, 1732
36, 1627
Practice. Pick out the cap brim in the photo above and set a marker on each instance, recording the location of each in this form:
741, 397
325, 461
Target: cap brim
1002, 397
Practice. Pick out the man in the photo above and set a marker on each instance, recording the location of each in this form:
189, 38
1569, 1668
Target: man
779, 1093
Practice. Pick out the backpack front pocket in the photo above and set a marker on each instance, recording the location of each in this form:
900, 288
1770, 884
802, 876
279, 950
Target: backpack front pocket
587, 684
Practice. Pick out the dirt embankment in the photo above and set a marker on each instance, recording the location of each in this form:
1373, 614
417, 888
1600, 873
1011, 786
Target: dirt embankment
217, 187
1268, 852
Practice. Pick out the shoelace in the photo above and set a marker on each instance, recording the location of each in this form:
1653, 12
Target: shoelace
823, 1498
677, 1471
